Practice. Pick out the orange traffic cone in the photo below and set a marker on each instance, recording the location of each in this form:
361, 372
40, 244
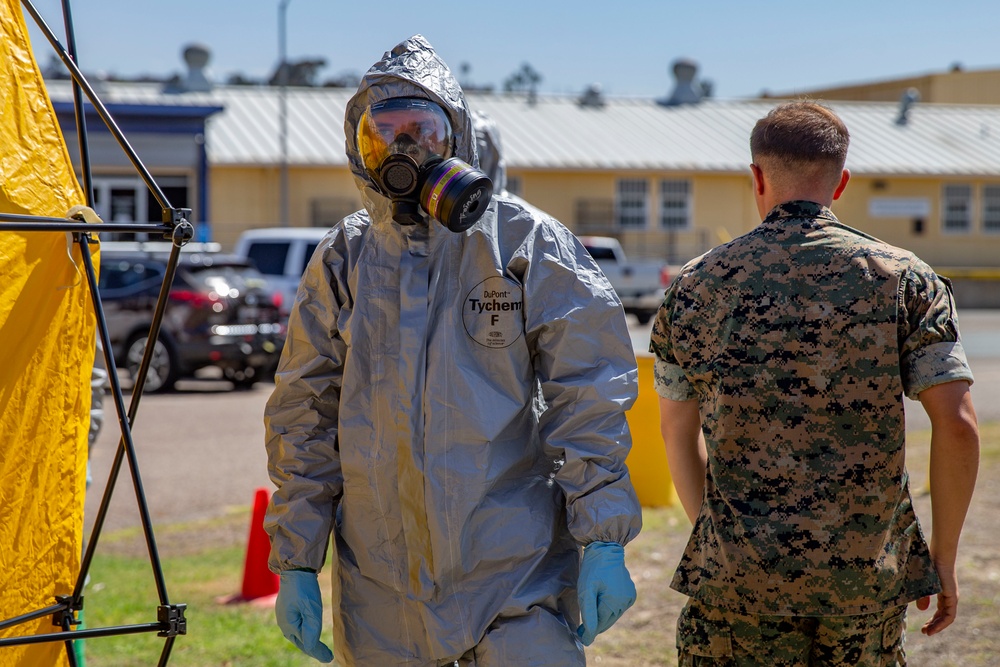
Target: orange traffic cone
260, 585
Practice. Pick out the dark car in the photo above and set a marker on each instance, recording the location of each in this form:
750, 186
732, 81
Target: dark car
219, 313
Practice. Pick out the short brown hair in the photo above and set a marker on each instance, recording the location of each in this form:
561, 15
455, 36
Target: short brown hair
799, 133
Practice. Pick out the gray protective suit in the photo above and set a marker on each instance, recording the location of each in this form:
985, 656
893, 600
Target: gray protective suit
403, 422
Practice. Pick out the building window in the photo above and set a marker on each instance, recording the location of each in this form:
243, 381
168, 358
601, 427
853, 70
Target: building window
631, 203
991, 208
594, 216
675, 204
126, 199
957, 208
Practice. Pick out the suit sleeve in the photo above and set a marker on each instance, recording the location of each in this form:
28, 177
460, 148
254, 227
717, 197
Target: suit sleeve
301, 422
587, 371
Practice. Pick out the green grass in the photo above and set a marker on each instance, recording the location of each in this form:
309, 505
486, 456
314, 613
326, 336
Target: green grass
122, 592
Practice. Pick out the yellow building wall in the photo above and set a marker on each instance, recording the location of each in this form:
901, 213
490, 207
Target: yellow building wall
982, 87
938, 248
248, 197
241, 198
722, 208
556, 192
953, 87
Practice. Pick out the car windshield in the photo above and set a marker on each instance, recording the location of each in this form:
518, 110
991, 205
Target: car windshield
601, 253
129, 274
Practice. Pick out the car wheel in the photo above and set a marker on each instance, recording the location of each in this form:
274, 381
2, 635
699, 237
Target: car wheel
644, 316
162, 373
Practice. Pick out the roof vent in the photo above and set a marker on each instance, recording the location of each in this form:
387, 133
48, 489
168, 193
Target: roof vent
909, 97
297, 72
592, 98
685, 90
196, 57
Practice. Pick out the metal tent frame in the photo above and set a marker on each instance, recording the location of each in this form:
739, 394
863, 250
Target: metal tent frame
170, 620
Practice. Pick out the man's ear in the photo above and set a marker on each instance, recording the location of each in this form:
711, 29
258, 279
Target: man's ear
844, 177
758, 179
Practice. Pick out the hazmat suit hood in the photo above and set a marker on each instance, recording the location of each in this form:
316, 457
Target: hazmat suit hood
490, 149
411, 69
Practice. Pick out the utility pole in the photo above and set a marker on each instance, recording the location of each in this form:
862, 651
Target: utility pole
283, 110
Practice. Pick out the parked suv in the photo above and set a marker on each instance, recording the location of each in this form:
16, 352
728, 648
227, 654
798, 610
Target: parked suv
281, 254
220, 313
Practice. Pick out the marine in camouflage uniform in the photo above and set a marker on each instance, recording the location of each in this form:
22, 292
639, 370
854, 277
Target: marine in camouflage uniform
782, 359
807, 510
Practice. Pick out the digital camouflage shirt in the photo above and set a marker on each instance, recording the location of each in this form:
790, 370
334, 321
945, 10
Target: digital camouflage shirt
799, 340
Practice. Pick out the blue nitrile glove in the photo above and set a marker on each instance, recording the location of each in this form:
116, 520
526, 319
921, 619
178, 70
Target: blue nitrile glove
299, 611
605, 589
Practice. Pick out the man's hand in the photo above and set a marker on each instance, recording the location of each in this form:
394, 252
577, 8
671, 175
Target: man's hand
299, 612
605, 589
947, 605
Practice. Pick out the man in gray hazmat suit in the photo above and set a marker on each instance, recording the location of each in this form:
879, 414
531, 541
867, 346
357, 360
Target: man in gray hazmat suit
404, 422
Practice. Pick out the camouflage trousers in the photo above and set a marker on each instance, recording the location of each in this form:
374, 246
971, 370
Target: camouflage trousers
712, 637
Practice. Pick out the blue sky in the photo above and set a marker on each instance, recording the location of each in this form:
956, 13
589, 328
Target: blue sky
742, 47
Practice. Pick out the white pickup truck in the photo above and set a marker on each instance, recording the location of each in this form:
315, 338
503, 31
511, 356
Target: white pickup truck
639, 284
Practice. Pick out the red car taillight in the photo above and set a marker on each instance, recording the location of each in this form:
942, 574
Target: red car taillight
210, 300
665, 277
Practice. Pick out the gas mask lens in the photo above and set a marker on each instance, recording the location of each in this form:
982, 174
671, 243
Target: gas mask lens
406, 126
405, 144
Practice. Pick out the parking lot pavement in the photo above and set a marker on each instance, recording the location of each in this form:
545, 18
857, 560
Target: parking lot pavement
200, 451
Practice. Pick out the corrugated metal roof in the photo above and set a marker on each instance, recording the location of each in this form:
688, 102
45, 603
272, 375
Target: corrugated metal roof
556, 132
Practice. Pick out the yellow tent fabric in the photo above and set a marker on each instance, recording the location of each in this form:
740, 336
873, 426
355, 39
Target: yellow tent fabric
47, 329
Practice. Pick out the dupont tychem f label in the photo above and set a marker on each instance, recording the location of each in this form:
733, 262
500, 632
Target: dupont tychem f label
493, 312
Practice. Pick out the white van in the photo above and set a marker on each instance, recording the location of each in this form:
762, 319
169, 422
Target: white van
281, 254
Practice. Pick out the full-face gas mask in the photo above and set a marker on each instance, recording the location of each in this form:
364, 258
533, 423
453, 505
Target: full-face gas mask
406, 146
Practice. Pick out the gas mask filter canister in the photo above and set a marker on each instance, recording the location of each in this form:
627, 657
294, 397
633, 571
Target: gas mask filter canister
405, 144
